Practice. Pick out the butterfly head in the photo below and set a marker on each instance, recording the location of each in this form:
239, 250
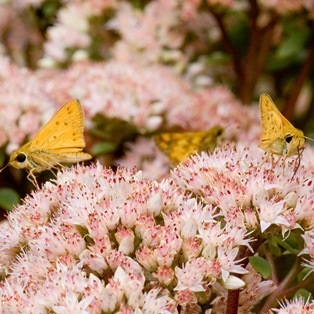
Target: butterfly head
294, 142
19, 160
288, 145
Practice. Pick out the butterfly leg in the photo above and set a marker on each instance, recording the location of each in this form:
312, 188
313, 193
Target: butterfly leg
268, 157
31, 177
272, 160
298, 161
283, 164
275, 163
54, 173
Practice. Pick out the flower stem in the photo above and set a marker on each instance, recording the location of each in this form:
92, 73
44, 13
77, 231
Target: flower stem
280, 292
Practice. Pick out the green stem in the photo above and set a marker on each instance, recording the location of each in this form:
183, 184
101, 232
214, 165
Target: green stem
279, 293
270, 259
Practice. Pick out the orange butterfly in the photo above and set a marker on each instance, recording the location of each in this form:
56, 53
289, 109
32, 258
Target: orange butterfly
61, 140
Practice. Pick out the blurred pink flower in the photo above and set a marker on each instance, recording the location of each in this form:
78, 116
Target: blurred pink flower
148, 34
224, 3
62, 37
72, 31
120, 90
21, 4
24, 106
282, 6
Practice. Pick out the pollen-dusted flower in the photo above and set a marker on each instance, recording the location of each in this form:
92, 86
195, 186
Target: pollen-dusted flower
79, 236
297, 305
95, 219
255, 289
186, 236
240, 181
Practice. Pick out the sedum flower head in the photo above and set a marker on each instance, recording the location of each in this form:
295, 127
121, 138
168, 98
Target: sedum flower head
97, 240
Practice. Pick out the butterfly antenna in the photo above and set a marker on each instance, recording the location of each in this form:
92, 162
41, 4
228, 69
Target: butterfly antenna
5, 166
308, 138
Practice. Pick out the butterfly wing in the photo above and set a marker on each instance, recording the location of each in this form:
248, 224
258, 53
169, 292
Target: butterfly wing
272, 122
64, 132
174, 145
179, 146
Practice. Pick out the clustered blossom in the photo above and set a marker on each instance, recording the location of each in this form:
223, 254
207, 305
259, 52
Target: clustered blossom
85, 228
150, 36
157, 32
72, 32
116, 89
248, 194
298, 305
131, 92
97, 240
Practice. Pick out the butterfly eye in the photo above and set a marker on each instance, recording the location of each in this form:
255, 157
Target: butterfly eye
288, 138
21, 157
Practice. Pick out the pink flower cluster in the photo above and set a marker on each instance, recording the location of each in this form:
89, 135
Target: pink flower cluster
159, 32
285, 6
24, 105
94, 240
250, 190
95, 237
71, 37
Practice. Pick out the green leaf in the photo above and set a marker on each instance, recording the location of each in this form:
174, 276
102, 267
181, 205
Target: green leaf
114, 132
291, 52
217, 58
292, 45
293, 244
305, 294
8, 198
261, 266
274, 248
103, 148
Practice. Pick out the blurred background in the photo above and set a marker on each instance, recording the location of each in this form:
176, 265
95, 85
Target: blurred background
141, 68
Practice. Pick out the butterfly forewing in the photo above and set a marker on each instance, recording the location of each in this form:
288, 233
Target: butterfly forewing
64, 132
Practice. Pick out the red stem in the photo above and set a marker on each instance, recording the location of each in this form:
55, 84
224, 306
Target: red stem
297, 86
